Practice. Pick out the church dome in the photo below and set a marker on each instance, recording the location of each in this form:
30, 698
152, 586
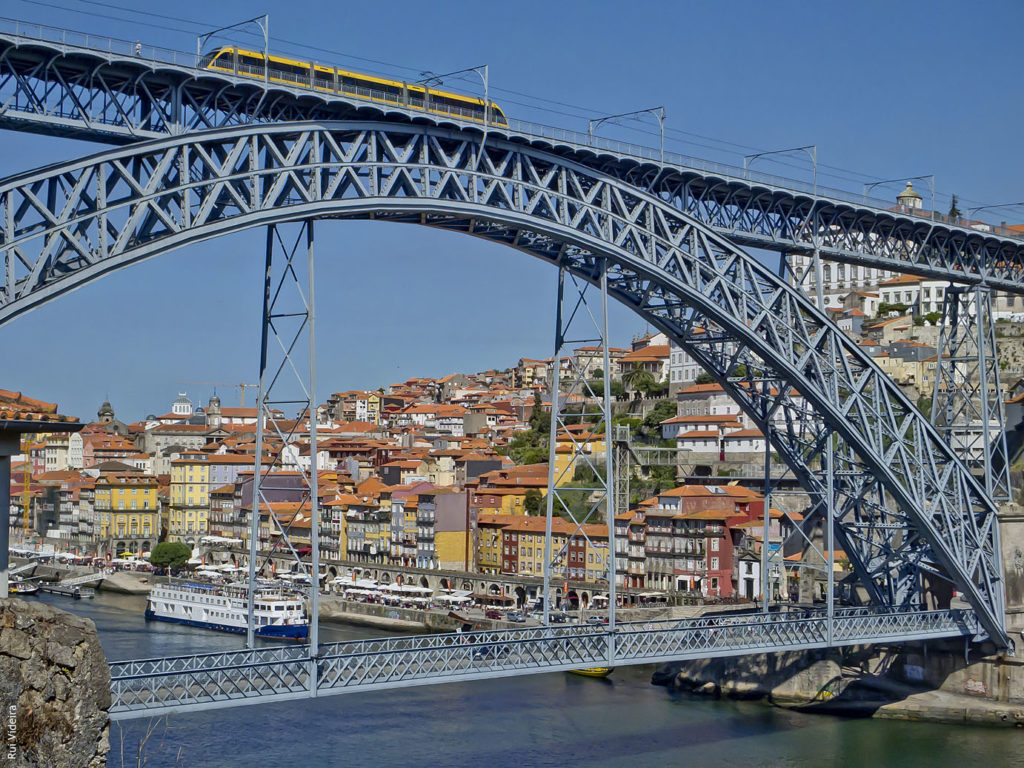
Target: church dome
106, 411
909, 198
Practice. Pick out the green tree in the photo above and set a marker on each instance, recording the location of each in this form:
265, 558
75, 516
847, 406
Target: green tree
656, 388
954, 208
663, 478
924, 405
540, 420
704, 378
637, 379
663, 409
532, 502
528, 447
597, 385
170, 554
885, 308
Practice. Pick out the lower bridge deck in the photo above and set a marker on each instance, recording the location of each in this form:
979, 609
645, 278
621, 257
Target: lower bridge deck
153, 687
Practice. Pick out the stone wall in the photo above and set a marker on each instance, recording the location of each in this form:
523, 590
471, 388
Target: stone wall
54, 688
1011, 534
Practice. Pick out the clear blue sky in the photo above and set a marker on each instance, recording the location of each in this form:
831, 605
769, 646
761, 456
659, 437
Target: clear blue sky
885, 89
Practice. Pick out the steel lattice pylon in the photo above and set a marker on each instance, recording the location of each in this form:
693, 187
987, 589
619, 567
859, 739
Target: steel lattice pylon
967, 405
288, 328
578, 321
68, 224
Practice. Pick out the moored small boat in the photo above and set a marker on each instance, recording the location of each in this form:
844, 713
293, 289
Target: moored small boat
21, 587
593, 671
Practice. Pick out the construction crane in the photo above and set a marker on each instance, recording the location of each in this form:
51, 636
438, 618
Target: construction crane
241, 387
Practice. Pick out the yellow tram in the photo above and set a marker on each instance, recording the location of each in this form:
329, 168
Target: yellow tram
246, 63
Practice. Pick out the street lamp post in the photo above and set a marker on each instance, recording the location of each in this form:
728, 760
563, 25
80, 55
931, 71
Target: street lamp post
482, 71
810, 149
972, 211
658, 112
263, 22
929, 176
812, 152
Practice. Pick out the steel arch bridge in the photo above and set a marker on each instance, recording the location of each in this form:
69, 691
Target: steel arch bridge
911, 506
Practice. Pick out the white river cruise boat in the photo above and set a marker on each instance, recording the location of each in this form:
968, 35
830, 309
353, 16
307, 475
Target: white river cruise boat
225, 608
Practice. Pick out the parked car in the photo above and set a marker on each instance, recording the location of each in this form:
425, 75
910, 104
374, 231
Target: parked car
490, 652
596, 620
493, 613
517, 616
558, 618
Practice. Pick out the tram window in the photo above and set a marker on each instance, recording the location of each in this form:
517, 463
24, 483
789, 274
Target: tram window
459, 104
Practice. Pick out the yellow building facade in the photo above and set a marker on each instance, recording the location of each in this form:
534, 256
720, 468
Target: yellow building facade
187, 516
450, 549
127, 512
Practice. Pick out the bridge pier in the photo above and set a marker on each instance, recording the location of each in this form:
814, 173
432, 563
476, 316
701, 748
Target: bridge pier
1011, 532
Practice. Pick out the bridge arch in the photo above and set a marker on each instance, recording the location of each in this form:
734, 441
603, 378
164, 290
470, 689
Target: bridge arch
71, 223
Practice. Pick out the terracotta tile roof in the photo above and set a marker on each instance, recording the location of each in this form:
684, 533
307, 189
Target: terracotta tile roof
651, 353
702, 388
903, 280
14, 406
701, 418
890, 321
744, 433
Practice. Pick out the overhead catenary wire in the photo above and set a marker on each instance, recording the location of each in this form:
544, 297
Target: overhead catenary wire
564, 109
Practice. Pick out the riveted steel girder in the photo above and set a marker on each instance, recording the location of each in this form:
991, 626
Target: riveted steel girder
68, 224
64, 83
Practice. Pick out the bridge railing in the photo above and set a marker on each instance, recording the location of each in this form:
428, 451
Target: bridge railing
205, 661
231, 677
97, 42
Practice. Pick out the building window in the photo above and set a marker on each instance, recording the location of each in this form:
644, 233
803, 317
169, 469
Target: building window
714, 545
714, 563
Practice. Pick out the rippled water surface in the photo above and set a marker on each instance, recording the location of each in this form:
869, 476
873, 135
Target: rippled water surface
518, 722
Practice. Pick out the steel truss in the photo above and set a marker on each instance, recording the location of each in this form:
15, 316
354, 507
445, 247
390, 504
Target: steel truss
61, 82
579, 321
71, 223
967, 405
288, 329
187, 683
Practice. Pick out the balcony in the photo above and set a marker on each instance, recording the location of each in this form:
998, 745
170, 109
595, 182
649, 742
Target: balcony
658, 550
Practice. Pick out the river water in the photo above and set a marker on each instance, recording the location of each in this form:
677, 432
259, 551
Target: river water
518, 722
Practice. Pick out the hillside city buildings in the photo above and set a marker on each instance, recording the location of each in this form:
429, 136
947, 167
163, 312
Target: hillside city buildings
429, 473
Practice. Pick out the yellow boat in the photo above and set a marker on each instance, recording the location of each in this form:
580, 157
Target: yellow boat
593, 671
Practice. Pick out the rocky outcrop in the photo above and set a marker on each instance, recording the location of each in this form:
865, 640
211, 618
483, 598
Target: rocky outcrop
54, 688
905, 682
